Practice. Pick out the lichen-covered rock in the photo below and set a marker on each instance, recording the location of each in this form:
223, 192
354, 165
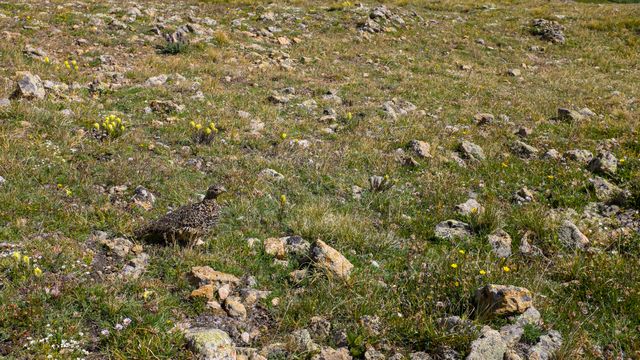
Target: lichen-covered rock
471, 151
489, 346
604, 163
571, 237
469, 207
211, 344
327, 258
452, 229
501, 243
502, 300
333, 354
29, 86
201, 275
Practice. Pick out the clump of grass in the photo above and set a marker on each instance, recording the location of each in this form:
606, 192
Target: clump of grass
531, 334
175, 48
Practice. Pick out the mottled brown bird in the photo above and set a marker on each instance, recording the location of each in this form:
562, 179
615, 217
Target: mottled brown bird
185, 224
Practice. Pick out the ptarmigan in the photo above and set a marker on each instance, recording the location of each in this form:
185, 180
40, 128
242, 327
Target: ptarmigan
185, 224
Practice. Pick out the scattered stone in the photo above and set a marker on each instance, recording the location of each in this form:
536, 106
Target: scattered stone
420, 355
235, 308
523, 132
201, 275
136, 267
514, 72
118, 246
422, 149
302, 342
496, 300
379, 183
608, 192
34, 53
275, 247
501, 243
155, 81
524, 150
604, 163
224, 291
580, 155
327, 258
526, 248
484, 119
211, 344
489, 346
571, 237
569, 115
165, 106
271, 174
471, 151
548, 30
205, 291
298, 275
4, 102
546, 347
398, 107
469, 207
29, 86
453, 229
551, 154
143, 197
332, 354
524, 195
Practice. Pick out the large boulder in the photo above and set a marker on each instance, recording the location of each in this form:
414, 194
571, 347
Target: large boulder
489, 346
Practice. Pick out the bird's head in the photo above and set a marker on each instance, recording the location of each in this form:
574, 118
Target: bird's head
214, 191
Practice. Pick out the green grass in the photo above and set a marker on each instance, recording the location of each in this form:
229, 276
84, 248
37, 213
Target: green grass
58, 176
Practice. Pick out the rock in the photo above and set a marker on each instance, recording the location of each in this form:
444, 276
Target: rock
551, 154
548, 30
546, 347
398, 107
587, 112
483, 119
235, 308
469, 207
608, 192
332, 354
379, 183
29, 86
319, 326
34, 53
118, 246
511, 334
523, 132
215, 308
523, 150
422, 149
155, 81
271, 174
296, 246
302, 342
371, 324
452, 229
571, 237
514, 72
4, 102
530, 317
492, 300
275, 247
206, 275
372, 354
165, 106
211, 344
298, 275
2, 181
143, 198
224, 291
420, 355
526, 248
501, 243
136, 266
604, 163
205, 291
523, 195
327, 258
471, 151
569, 115
579, 155
489, 346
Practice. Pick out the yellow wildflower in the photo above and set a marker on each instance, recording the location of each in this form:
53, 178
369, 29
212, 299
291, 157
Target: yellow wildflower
482, 272
37, 272
16, 255
462, 252
283, 199
454, 266
26, 259
283, 136
506, 268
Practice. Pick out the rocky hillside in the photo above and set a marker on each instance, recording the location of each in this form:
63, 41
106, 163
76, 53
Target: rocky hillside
230, 179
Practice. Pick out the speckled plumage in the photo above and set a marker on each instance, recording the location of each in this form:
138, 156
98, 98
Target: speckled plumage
186, 223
